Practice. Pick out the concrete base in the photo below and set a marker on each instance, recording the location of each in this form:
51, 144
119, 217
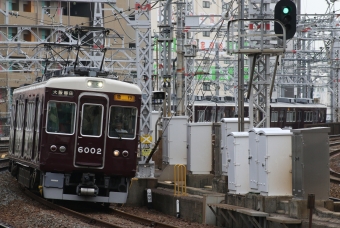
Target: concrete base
199, 180
137, 193
167, 173
220, 184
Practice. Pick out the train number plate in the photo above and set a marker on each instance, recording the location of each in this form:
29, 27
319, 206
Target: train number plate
89, 150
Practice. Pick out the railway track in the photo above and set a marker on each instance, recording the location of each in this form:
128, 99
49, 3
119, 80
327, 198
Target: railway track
334, 150
97, 222
3, 164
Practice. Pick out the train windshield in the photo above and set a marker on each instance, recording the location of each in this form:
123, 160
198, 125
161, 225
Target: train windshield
60, 117
92, 120
122, 122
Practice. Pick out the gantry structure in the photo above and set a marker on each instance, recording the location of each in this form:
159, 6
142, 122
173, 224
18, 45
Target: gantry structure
310, 62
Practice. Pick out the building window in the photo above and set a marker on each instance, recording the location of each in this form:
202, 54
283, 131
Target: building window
291, 116
206, 86
206, 34
28, 6
14, 6
206, 4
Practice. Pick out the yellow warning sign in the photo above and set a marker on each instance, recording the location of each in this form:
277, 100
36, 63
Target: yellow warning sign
146, 139
146, 152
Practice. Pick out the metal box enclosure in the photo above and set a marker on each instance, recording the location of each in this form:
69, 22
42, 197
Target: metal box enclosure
154, 117
199, 148
310, 159
175, 140
229, 125
275, 162
238, 168
253, 157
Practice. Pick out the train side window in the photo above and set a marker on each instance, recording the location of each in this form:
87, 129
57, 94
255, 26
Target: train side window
213, 115
308, 116
274, 116
219, 115
315, 116
60, 117
92, 120
123, 122
288, 116
281, 115
299, 116
322, 115
293, 116
201, 115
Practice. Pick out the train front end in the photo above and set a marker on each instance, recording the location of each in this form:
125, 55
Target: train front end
90, 139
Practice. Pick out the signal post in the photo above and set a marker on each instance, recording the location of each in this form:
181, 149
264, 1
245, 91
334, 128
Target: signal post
260, 49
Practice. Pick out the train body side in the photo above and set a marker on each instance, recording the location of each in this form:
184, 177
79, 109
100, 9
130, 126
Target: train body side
63, 130
290, 115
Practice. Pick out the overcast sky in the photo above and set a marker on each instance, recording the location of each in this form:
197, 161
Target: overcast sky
316, 6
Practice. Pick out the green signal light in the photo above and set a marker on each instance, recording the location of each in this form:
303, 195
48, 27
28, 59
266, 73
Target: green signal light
285, 10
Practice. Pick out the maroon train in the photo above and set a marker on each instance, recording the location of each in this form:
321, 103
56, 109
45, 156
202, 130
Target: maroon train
75, 138
287, 112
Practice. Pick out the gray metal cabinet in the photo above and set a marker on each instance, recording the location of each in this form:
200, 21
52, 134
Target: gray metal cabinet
199, 148
310, 160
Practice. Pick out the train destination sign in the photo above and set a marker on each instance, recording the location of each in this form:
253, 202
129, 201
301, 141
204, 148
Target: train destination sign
62, 92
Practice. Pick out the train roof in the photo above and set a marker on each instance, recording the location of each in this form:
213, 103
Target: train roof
80, 83
246, 104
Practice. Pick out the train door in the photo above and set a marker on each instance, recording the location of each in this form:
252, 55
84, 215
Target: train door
91, 130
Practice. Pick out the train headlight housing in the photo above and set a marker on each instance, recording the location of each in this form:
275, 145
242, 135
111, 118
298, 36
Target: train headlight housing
95, 84
53, 148
125, 153
116, 153
62, 149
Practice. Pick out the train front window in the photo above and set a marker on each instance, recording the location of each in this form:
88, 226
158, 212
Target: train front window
60, 117
92, 120
123, 122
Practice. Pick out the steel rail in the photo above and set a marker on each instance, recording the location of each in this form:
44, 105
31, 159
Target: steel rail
4, 167
96, 222
143, 221
84, 218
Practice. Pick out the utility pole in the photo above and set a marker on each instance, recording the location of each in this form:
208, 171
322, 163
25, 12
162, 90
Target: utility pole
240, 64
180, 58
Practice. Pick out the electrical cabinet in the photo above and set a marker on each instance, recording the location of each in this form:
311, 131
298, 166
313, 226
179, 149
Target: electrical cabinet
253, 157
199, 148
229, 125
174, 140
275, 162
310, 158
238, 168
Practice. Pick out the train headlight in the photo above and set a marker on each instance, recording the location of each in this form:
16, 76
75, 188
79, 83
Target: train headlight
53, 148
125, 153
62, 149
116, 153
95, 84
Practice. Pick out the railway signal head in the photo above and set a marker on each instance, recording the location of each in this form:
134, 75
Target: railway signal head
285, 12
